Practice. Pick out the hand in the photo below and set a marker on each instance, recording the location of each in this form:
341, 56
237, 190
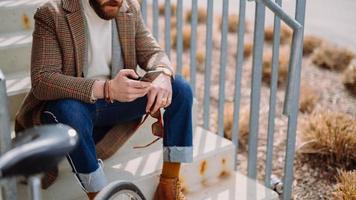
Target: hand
160, 94
124, 89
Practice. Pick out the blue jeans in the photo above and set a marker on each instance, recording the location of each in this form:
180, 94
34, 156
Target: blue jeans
92, 121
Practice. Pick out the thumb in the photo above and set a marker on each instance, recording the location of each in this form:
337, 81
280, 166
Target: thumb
129, 73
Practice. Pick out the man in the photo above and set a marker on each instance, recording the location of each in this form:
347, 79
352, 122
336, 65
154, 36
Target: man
85, 51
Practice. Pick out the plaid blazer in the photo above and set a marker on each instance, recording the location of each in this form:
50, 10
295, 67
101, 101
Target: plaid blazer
58, 56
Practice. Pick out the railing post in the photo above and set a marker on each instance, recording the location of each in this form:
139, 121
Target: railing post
295, 90
256, 83
238, 76
273, 97
167, 23
223, 61
155, 23
144, 10
193, 45
179, 41
208, 58
8, 190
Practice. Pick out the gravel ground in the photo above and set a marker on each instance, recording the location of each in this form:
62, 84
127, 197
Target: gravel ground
313, 179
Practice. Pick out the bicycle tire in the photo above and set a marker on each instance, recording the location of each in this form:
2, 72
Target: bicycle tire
114, 188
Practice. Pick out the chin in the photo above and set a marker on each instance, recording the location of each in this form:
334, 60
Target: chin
111, 12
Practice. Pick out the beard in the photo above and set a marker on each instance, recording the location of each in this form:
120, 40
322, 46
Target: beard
102, 12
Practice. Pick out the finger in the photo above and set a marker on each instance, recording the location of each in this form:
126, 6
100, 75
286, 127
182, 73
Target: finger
129, 73
164, 100
158, 103
139, 84
150, 100
169, 100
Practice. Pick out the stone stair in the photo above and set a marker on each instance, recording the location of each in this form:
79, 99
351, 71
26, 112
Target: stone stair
209, 177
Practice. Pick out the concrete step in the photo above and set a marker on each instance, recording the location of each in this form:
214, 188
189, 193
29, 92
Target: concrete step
17, 86
17, 15
18, 83
213, 160
234, 187
15, 52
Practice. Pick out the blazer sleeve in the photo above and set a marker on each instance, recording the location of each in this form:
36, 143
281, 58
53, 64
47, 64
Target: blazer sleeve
48, 80
149, 54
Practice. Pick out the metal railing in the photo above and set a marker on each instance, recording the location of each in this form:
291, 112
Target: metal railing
8, 188
291, 105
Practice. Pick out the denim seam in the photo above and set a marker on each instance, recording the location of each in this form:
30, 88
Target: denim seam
69, 158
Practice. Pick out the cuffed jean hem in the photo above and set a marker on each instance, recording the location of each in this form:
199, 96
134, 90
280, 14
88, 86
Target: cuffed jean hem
178, 154
94, 181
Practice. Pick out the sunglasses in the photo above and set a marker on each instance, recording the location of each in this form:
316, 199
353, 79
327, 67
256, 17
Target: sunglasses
157, 128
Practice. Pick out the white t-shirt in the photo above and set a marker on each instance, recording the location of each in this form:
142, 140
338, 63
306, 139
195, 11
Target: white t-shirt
99, 44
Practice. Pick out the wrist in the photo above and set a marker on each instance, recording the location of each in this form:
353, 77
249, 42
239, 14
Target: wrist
98, 89
166, 71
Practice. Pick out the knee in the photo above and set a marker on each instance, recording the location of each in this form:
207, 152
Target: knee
70, 112
182, 90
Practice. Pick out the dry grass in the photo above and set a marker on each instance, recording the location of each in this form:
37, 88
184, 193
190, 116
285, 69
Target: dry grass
330, 136
332, 57
186, 38
200, 58
173, 23
233, 24
346, 188
310, 44
350, 78
282, 69
248, 47
202, 16
243, 123
161, 9
286, 34
309, 96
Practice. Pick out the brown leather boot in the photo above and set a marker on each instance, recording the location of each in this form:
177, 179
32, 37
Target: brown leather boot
169, 189
91, 195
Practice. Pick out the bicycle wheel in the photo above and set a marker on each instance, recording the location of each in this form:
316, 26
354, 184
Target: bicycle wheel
120, 190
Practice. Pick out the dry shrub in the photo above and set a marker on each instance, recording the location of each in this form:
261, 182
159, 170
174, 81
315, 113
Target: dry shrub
186, 38
346, 188
330, 136
310, 44
308, 98
350, 78
332, 57
248, 49
200, 58
282, 69
233, 25
286, 34
186, 72
173, 23
161, 9
202, 16
243, 123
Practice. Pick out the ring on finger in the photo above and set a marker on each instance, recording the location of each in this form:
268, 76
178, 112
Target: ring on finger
163, 101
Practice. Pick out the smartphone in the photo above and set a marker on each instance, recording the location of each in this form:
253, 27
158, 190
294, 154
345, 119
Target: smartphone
150, 76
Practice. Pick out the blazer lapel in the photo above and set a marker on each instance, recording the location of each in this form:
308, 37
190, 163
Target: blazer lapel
126, 29
77, 27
